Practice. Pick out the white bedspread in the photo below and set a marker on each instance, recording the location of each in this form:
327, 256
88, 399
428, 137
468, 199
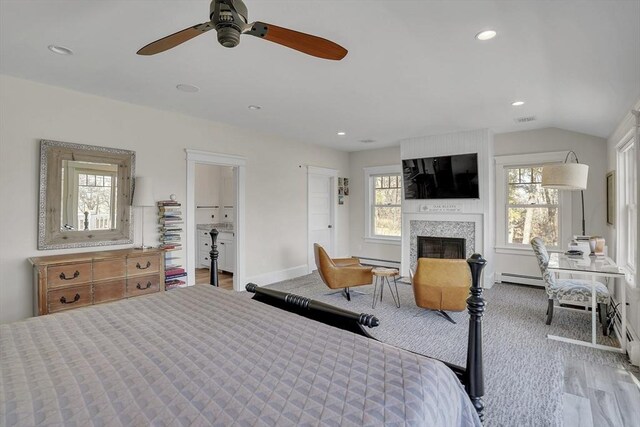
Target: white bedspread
205, 356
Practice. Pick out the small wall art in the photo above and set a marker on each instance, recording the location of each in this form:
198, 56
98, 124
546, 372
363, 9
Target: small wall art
343, 189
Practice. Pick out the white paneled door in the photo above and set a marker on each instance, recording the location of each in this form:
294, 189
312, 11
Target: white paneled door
322, 211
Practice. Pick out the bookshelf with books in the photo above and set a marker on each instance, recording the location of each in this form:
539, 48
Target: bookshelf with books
170, 225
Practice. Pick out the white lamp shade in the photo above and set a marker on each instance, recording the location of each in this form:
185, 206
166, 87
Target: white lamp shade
565, 176
143, 192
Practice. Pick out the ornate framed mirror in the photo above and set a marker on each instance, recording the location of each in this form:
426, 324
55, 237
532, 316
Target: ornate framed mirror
85, 195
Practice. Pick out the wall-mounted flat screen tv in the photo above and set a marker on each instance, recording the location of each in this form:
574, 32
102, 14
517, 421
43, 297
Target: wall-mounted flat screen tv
445, 177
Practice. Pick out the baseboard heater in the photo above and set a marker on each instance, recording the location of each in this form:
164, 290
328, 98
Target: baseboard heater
378, 262
520, 279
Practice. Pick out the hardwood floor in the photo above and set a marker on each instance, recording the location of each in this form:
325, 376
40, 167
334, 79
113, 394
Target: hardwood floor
225, 280
597, 395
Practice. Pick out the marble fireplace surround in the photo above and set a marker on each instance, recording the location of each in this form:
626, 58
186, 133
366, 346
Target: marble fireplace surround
466, 226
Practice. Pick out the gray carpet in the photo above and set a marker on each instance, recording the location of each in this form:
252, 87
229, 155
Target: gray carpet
523, 369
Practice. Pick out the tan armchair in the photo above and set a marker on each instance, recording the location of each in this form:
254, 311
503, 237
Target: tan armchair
442, 284
341, 273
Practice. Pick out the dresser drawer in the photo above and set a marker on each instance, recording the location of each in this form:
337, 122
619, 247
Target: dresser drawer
143, 265
143, 285
109, 291
109, 269
68, 274
68, 298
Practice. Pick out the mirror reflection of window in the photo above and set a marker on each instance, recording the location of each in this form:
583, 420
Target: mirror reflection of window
88, 195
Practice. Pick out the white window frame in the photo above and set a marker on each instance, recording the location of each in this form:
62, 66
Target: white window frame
623, 230
369, 175
564, 200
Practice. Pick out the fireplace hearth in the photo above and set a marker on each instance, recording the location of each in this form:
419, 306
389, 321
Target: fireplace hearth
441, 247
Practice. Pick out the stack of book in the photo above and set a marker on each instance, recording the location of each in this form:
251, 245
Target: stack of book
175, 278
170, 226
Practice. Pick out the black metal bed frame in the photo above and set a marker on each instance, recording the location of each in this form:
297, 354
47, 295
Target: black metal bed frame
471, 376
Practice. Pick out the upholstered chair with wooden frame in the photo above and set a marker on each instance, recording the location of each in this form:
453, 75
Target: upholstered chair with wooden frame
568, 290
341, 273
442, 285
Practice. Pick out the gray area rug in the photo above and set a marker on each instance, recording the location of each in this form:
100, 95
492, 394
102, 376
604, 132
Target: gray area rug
523, 369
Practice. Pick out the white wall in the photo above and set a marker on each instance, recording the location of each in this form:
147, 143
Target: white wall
358, 160
276, 219
591, 150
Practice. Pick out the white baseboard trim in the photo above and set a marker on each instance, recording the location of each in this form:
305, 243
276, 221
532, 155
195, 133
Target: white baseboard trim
278, 276
519, 279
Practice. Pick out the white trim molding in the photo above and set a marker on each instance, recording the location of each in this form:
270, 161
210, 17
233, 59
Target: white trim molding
279, 275
239, 174
564, 199
369, 173
333, 175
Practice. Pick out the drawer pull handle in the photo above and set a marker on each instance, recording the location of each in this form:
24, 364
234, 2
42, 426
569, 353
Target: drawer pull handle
139, 267
75, 276
63, 300
139, 286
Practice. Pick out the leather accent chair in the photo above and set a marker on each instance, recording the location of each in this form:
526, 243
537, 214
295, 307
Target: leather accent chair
442, 284
341, 273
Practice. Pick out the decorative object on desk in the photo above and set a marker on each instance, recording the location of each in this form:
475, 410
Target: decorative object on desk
611, 197
567, 176
143, 198
574, 252
600, 246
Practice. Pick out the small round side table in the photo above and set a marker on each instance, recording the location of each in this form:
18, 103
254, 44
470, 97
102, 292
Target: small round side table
380, 276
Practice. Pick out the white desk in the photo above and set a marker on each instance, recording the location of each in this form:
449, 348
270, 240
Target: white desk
592, 267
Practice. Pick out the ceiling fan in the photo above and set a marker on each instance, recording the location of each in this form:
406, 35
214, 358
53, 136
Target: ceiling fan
230, 19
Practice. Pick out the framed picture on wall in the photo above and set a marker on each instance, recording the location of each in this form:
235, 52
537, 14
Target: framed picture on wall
611, 197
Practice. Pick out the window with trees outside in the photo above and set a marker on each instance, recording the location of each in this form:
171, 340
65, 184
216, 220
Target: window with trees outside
383, 198
628, 207
530, 209
387, 201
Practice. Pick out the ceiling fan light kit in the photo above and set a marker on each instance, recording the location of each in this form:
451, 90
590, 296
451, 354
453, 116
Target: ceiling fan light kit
230, 20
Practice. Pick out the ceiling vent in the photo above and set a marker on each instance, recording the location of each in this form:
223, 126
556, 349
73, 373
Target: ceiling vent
525, 119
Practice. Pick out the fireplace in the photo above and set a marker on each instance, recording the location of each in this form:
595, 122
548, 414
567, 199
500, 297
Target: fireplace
441, 247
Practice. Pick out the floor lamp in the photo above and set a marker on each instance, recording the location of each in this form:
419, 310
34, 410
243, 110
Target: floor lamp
567, 176
142, 198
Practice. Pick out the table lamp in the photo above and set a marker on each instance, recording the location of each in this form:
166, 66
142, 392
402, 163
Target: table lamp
142, 198
567, 176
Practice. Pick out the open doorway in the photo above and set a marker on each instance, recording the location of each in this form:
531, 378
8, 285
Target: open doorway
215, 199
214, 205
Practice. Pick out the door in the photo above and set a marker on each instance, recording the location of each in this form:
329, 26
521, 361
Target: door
321, 213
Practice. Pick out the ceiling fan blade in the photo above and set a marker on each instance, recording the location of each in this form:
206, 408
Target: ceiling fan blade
175, 39
306, 43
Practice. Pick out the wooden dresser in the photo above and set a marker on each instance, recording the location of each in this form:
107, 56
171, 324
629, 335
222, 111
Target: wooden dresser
63, 282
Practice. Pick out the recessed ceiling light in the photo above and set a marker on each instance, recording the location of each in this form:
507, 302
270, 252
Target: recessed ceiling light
486, 35
60, 50
187, 88
341, 133
367, 141
254, 107
517, 103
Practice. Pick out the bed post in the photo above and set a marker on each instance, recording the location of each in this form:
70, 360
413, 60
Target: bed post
213, 254
474, 383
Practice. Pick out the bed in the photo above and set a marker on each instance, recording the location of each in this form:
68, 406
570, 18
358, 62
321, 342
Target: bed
205, 356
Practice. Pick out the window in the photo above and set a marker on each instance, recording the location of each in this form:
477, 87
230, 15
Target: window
524, 209
627, 206
531, 210
384, 203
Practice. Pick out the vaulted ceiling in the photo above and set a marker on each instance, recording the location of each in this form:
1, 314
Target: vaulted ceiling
414, 67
